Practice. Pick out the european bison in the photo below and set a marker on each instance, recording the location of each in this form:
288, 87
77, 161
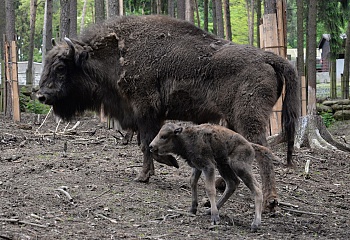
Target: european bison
143, 70
205, 146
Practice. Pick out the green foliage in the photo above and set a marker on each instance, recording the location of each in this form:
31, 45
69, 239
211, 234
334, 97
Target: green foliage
328, 118
32, 106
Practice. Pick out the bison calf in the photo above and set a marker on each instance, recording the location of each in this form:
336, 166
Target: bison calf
206, 146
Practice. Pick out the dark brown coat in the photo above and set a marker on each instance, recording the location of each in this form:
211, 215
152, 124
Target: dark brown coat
146, 69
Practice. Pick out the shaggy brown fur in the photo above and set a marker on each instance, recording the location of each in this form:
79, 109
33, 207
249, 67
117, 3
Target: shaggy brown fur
205, 147
146, 69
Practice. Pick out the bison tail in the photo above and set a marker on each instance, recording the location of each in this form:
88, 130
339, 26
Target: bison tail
291, 101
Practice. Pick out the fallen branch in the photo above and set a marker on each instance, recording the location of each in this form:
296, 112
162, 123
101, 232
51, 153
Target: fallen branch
287, 204
15, 220
302, 212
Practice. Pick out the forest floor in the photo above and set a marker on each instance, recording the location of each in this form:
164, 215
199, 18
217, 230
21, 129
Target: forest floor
79, 184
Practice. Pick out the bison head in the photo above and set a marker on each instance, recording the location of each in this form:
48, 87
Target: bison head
165, 142
64, 83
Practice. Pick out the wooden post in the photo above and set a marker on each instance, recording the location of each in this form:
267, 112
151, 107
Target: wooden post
273, 39
2, 92
7, 101
15, 91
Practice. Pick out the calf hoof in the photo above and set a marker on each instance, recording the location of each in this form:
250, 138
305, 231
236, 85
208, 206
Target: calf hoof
254, 227
193, 210
215, 219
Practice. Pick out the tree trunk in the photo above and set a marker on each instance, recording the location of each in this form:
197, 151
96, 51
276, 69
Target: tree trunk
82, 23
47, 30
29, 70
250, 18
300, 43
227, 15
121, 7
2, 26
158, 9
258, 22
189, 12
270, 6
206, 14
311, 52
219, 19
333, 77
171, 8
99, 11
346, 64
73, 16
112, 8
64, 19
181, 9
215, 29
10, 36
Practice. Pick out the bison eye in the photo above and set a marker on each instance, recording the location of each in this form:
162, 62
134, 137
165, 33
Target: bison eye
163, 137
60, 69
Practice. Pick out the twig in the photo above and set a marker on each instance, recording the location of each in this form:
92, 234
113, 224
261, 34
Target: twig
103, 193
63, 189
157, 236
15, 220
182, 212
107, 218
287, 204
302, 212
59, 121
37, 130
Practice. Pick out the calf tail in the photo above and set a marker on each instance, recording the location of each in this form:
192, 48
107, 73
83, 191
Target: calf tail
291, 101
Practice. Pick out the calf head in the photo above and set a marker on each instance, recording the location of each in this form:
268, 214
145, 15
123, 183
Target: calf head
62, 82
166, 140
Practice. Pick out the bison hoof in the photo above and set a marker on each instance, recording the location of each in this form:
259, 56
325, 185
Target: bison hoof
270, 205
142, 177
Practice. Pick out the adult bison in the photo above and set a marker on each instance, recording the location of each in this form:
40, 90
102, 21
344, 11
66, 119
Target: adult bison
143, 70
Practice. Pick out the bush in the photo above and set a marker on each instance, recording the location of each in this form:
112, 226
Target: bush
32, 106
328, 118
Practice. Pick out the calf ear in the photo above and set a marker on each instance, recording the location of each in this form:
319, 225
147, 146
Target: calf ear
178, 130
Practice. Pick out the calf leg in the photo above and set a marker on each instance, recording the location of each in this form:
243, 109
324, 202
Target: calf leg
194, 189
209, 174
244, 171
231, 181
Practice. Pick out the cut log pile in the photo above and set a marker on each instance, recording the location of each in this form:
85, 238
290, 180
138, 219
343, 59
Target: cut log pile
339, 108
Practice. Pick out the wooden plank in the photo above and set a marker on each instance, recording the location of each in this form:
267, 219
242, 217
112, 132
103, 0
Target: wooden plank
281, 27
15, 91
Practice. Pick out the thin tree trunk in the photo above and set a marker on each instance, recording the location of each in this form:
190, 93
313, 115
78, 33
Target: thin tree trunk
99, 11
250, 17
189, 13
197, 13
121, 7
311, 52
346, 64
181, 9
82, 23
64, 20
47, 30
219, 19
228, 29
258, 21
29, 70
215, 28
300, 42
333, 77
73, 18
171, 8
206, 13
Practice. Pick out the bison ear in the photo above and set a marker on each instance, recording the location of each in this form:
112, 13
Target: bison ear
178, 130
81, 58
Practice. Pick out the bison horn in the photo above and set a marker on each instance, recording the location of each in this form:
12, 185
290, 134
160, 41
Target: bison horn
70, 44
53, 42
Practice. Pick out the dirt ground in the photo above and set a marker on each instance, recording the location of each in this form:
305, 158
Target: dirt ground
79, 184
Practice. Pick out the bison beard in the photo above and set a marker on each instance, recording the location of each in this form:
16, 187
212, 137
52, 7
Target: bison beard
147, 69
